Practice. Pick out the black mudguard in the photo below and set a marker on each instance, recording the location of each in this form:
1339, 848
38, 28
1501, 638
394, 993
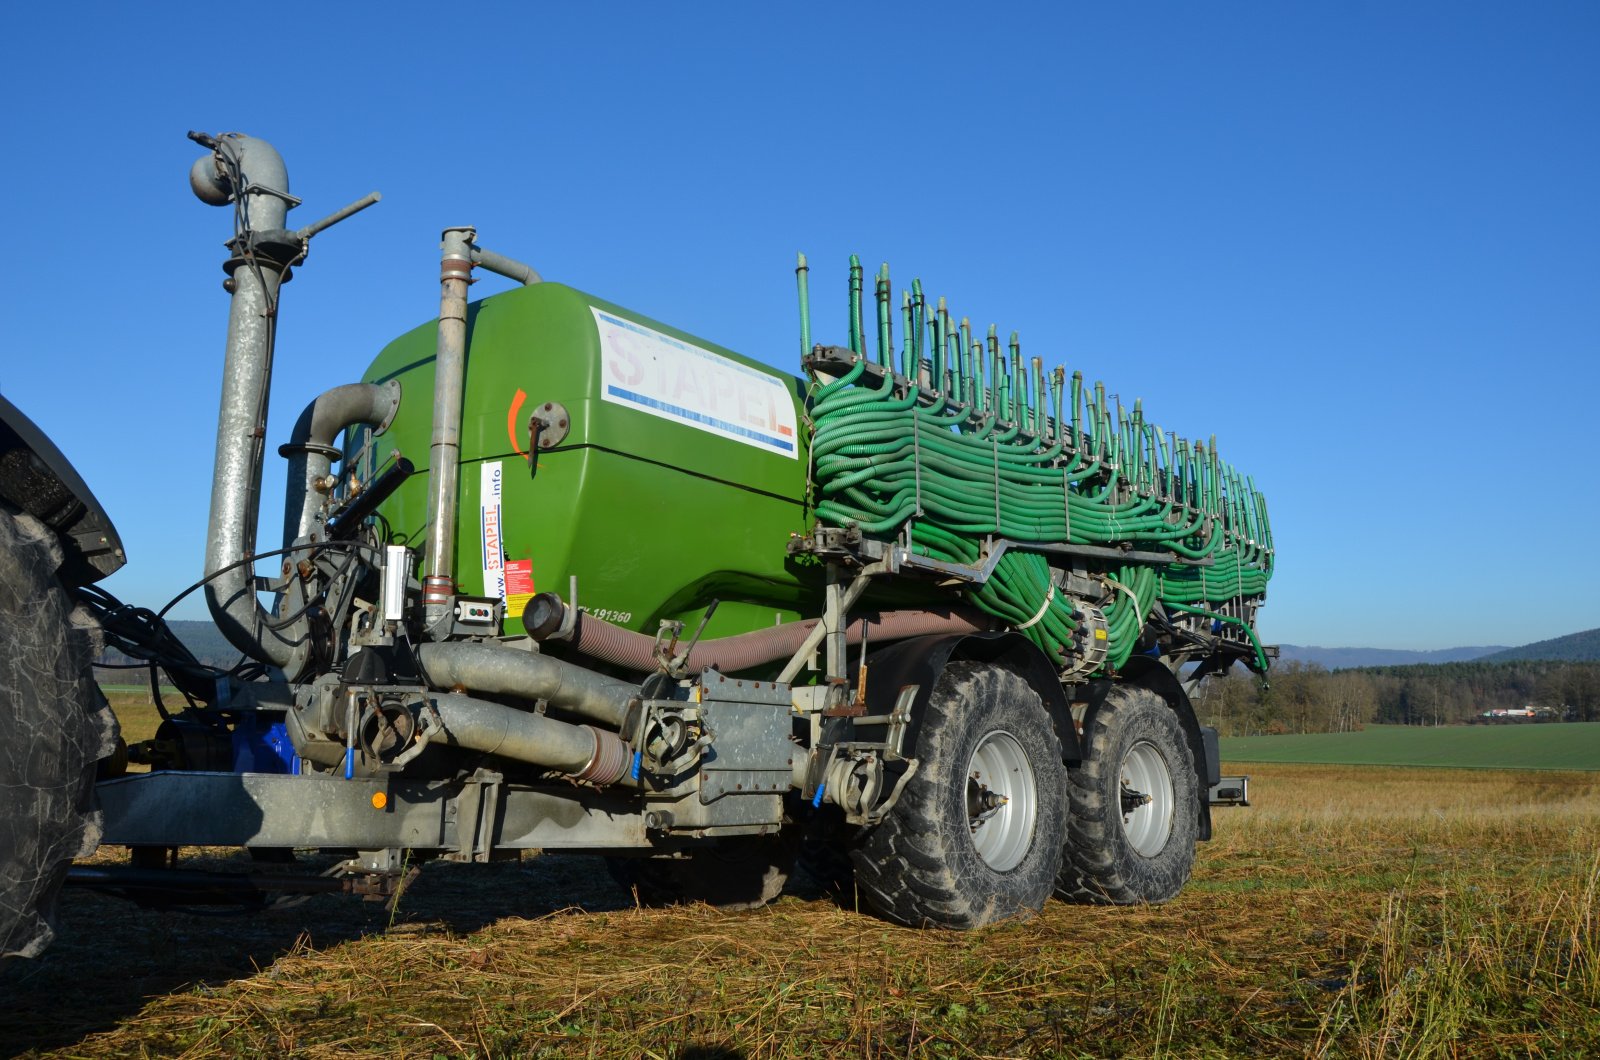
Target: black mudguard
921, 660
36, 478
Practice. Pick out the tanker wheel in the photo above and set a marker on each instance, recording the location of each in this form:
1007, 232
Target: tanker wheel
1135, 805
743, 872
977, 833
54, 726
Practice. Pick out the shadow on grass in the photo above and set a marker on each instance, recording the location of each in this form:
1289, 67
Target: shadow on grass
111, 957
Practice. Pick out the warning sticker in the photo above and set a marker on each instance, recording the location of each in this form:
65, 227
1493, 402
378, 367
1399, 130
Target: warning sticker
519, 586
676, 380
494, 562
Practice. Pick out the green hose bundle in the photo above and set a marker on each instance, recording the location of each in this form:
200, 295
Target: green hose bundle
962, 446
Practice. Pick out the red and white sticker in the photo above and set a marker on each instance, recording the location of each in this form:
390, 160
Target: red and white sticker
519, 586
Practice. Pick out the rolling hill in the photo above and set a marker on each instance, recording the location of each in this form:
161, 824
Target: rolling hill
1352, 658
1574, 647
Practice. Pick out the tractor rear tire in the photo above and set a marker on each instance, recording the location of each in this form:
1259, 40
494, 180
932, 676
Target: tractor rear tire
977, 833
1135, 805
54, 727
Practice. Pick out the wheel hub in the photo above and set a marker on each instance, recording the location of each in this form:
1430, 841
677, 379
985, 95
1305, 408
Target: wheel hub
1148, 799
1001, 800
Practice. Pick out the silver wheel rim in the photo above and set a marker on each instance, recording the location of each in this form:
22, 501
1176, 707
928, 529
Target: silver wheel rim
1144, 773
1002, 800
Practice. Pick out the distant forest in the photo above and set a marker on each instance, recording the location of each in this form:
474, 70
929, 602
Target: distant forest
1304, 697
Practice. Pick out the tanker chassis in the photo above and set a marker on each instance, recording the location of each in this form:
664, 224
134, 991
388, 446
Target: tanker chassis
924, 620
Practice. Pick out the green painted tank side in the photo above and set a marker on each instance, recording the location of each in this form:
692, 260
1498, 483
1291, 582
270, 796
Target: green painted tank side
654, 514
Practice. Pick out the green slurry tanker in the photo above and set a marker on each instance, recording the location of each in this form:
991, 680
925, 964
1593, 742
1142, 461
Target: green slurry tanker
555, 576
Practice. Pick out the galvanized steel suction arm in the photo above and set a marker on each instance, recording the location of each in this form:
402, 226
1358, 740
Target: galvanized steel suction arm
249, 175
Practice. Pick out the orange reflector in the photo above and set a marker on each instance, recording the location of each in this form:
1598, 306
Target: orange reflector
379, 800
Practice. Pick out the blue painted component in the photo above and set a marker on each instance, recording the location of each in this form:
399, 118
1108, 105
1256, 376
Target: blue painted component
261, 745
636, 757
816, 800
349, 763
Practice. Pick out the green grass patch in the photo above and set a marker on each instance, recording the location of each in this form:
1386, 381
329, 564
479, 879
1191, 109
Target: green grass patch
141, 688
1553, 746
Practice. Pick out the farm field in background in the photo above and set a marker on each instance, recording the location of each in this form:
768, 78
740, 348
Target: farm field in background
1353, 911
1574, 745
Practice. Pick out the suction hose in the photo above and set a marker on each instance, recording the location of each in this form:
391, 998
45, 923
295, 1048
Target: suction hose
581, 751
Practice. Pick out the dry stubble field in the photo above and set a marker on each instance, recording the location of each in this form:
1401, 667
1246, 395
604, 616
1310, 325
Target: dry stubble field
1352, 912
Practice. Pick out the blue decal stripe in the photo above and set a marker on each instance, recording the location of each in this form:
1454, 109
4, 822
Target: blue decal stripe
682, 413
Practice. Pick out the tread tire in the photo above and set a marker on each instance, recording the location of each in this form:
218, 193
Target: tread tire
1101, 865
55, 725
920, 867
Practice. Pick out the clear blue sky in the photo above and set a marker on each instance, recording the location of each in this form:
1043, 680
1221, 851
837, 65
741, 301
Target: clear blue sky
1360, 242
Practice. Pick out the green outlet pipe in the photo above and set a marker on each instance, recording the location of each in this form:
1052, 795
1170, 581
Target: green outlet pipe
908, 353
801, 271
881, 289
857, 339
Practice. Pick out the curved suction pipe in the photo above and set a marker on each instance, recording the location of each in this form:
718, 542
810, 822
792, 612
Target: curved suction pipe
311, 451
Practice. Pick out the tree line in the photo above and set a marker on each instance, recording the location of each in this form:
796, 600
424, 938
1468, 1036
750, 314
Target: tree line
1305, 697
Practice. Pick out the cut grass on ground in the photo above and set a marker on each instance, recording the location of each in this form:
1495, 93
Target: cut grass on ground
1526, 746
1352, 912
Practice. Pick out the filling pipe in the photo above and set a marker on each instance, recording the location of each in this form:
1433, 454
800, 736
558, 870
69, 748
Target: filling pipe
636, 651
450, 369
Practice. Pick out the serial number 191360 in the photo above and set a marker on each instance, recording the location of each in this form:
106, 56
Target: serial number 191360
605, 614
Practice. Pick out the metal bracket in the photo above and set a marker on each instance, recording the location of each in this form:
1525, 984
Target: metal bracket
477, 808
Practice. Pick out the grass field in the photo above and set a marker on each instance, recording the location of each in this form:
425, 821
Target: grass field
1524, 746
1352, 912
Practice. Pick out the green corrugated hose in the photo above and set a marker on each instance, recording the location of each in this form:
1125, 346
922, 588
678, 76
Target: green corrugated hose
988, 453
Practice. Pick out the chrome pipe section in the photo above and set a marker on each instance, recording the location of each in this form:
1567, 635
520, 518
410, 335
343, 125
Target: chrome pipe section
311, 451
510, 672
581, 751
251, 173
450, 368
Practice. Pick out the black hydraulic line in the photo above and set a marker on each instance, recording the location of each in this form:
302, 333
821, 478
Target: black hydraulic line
344, 523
